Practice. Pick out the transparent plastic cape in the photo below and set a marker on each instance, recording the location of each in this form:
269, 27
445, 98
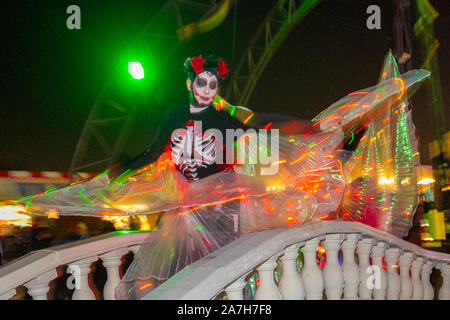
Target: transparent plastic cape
315, 179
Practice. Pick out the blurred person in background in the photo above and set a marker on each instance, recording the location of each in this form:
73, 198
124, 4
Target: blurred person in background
41, 238
77, 231
8, 249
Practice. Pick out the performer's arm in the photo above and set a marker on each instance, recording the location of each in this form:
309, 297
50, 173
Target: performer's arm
266, 120
152, 153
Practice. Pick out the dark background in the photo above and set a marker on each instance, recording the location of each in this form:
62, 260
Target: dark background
52, 76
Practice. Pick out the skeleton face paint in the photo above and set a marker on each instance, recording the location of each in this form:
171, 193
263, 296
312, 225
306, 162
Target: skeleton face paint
205, 88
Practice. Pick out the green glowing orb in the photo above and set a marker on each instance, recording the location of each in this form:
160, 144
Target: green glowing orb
136, 70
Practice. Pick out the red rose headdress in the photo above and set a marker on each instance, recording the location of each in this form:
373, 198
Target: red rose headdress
195, 65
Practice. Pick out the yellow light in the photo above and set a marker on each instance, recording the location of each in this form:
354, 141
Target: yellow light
52, 214
144, 224
14, 215
404, 181
424, 174
131, 207
384, 181
425, 181
120, 222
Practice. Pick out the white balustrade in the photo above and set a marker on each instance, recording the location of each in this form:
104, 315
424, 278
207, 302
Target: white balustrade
134, 248
406, 283
379, 290
416, 282
267, 289
351, 280
112, 261
291, 284
428, 290
444, 292
332, 272
39, 286
363, 250
80, 271
350, 267
235, 290
394, 283
8, 295
311, 273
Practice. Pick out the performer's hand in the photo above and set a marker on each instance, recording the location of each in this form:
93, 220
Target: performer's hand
331, 123
219, 103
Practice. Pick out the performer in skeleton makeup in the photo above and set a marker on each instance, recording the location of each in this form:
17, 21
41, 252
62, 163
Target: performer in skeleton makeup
205, 112
206, 203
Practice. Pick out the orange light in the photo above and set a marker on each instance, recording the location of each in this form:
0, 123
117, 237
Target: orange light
333, 115
302, 157
358, 93
278, 162
145, 286
349, 105
321, 250
242, 196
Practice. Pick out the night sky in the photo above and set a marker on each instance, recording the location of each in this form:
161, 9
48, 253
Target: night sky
52, 76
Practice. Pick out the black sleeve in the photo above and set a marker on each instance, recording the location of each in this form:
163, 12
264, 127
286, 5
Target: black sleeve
160, 141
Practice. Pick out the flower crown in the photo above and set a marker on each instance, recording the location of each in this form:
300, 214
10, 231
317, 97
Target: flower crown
195, 65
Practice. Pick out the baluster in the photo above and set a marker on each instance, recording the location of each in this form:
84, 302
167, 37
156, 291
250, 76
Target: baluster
38, 287
267, 289
350, 268
80, 271
406, 283
417, 283
428, 290
8, 294
444, 292
311, 273
332, 272
134, 248
235, 290
364, 248
112, 261
394, 284
379, 292
291, 284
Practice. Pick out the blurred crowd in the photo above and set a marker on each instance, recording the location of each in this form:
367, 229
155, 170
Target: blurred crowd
22, 240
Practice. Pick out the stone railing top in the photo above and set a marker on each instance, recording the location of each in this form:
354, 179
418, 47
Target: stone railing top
38, 262
207, 277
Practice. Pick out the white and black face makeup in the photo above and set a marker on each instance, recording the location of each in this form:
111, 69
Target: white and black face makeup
205, 88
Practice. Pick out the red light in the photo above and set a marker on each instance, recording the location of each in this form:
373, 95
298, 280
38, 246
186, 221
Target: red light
308, 133
371, 199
